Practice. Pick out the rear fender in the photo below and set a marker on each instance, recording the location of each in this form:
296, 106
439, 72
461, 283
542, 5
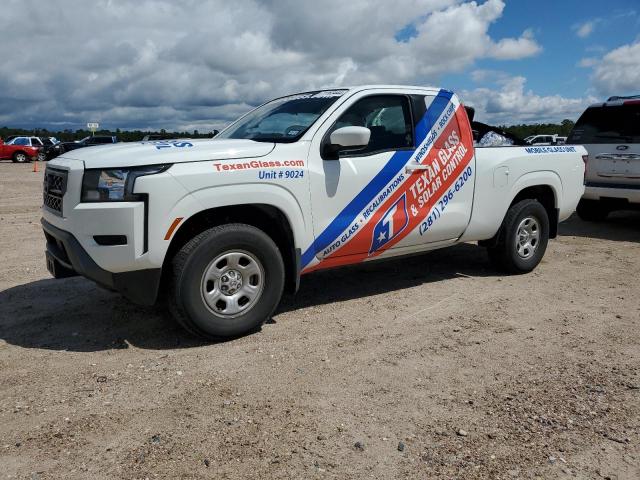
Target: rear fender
488, 214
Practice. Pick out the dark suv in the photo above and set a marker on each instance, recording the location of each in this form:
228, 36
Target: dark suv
92, 141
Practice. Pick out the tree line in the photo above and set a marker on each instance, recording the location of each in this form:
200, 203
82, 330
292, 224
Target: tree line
521, 131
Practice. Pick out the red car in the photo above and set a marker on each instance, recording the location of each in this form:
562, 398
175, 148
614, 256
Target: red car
20, 149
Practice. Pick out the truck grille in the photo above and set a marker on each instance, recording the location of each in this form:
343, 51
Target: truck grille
54, 188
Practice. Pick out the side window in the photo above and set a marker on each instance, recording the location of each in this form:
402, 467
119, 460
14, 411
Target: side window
35, 142
24, 141
387, 116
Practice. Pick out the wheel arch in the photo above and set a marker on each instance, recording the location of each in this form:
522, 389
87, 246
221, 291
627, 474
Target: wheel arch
544, 187
269, 218
16, 152
546, 195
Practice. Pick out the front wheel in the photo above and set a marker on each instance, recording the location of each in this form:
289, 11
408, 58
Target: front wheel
226, 281
523, 238
20, 157
42, 157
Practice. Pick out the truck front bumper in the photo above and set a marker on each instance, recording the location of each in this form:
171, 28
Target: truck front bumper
66, 257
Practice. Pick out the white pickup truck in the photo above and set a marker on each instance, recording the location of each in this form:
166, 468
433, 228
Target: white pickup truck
220, 227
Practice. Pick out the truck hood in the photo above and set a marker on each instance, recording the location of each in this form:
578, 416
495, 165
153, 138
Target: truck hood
133, 154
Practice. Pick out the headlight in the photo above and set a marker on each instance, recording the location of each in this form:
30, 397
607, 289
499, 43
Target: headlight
114, 184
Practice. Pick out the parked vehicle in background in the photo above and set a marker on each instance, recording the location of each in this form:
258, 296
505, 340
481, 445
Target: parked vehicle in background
157, 136
561, 140
20, 149
309, 181
48, 150
542, 139
85, 142
610, 132
98, 140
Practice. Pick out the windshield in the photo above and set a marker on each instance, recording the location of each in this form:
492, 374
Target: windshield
284, 119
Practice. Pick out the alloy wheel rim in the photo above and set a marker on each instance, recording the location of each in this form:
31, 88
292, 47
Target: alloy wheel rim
232, 283
528, 237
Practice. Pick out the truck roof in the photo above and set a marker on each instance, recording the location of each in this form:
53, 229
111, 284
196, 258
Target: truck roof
359, 88
356, 88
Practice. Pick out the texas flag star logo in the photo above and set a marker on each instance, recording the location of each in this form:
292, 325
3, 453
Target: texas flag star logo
392, 223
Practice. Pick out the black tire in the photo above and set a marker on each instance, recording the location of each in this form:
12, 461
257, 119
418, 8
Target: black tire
20, 157
505, 255
187, 281
42, 157
592, 210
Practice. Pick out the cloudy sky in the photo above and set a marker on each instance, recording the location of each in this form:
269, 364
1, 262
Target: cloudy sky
198, 64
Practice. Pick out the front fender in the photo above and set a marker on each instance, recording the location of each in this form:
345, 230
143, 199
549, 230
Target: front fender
259, 193
230, 195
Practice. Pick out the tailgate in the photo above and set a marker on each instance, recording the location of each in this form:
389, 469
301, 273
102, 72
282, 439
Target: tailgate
614, 164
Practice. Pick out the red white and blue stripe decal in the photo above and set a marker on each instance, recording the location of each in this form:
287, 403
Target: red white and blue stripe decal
394, 203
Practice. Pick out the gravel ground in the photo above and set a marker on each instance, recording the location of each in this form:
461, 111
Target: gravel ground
429, 367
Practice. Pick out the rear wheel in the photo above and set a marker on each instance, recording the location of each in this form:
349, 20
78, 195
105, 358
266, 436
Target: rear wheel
523, 238
42, 157
20, 157
592, 210
226, 281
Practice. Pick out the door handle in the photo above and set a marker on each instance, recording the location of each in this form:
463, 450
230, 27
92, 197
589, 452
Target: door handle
415, 168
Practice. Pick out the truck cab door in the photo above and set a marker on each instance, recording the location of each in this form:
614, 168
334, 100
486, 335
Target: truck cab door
372, 201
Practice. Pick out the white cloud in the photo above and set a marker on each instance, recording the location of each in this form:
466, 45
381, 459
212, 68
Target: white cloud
618, 72
514, 48
489, 76
583, 30
588, 62
510, 103
165, 64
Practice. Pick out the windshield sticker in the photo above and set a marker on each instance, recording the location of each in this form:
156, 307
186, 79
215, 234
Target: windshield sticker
329, 94
322, 94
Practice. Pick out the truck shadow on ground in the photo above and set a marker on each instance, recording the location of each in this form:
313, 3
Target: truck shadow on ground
622, 226
76, 315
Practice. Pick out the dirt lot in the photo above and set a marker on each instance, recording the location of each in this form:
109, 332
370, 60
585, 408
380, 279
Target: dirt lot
430, 367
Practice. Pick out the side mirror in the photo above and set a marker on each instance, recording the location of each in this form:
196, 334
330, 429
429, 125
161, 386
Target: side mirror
214, 133
346, 138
